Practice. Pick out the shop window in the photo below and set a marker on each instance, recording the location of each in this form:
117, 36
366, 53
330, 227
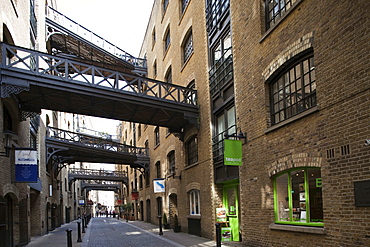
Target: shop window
194, 202
294, 91
298, 197
192, 150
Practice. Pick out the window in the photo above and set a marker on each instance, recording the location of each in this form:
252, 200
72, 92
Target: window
165, 5
158, 169
191, 96
171, 163
275, 9
294, 91
167, 40
192, 150
156, 134
194, 202
154, 38
225, 123
139, 130
188, 47
184, 4
155, 69
222, 50
298, 197
168, 77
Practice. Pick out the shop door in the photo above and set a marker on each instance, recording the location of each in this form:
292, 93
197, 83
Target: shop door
231, 202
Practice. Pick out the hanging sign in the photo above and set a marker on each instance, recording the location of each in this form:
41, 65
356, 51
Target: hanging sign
232, 152
26, 167
159, 185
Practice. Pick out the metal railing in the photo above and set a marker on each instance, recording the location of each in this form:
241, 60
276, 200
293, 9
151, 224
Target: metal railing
40, 64
95, 172
94, 142
57, 17
218, 143
215, 11
220, 74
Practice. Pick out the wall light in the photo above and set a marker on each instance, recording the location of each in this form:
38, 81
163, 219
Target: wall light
239, 136
9, 136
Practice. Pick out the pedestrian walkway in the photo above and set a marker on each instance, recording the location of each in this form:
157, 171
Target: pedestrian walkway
58, 237
111, 232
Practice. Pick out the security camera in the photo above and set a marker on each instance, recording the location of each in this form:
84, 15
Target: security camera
367, 142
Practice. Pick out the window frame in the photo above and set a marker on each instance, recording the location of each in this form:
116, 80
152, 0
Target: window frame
191, 147
279, 11
167, 40
171, 162
188, 47
289, 198
286, 101
194, 203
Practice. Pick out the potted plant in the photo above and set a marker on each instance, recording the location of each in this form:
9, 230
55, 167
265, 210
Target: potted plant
166, 225
176, 226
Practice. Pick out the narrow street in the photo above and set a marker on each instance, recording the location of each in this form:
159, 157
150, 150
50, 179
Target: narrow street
110, 232
113, 232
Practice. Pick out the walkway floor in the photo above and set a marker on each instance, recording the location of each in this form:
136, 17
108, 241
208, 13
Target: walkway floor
111, 232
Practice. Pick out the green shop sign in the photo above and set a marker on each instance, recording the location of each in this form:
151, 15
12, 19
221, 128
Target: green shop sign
232, 152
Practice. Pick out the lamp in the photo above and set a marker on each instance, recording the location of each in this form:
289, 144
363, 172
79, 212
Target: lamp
239, 136
9, 136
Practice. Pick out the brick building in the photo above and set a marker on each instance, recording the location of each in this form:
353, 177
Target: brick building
289, 80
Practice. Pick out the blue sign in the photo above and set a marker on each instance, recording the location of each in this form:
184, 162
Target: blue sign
26, 167
159, 185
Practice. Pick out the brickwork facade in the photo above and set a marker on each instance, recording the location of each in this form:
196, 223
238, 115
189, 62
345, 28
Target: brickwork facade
330, 136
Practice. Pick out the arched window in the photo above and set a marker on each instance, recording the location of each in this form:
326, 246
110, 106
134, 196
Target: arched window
298, 197
187, 47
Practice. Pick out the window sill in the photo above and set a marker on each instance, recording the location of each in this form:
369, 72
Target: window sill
303, 229
292, 119
196, 217
191, 166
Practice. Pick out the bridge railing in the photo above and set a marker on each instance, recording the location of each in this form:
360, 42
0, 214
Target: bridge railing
40, 64
57, 17
96, 172
94, 142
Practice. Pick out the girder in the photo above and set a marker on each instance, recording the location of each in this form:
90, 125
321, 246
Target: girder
42, 81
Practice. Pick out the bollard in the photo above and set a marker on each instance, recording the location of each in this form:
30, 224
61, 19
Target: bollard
83, 225
79, 231
69, 237
160, 224
218, 235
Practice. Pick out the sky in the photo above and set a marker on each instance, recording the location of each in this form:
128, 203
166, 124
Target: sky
121, 22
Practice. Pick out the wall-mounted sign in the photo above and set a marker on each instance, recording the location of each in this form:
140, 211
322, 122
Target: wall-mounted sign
81, 202
159, 185
232, 152
26, 166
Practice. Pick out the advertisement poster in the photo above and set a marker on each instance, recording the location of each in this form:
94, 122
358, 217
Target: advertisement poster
221, 214
26, 166
225, 234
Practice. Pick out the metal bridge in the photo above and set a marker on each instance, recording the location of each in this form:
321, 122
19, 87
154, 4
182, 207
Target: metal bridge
41, 81
94, 175
69, 147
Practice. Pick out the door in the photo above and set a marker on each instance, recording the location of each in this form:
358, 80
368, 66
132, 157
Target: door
231, 202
